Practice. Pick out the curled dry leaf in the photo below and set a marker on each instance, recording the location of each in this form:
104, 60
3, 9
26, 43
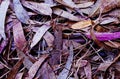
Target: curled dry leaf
41, 31
65, 14
3, 10
105, 36
65, 72
81, 24
20, 12
40, 8
35, 67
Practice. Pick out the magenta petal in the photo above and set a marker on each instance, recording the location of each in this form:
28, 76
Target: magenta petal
105, 36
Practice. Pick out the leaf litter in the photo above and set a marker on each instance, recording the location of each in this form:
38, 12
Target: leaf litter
59, 39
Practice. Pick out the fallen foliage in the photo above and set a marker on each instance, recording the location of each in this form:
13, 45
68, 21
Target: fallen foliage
59, 39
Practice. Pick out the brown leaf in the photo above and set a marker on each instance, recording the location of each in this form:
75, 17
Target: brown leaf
20, 12
14, 70
81, 24
33, 70
3, 10
40, 8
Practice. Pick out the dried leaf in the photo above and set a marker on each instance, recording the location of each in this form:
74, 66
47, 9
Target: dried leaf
113, 44
3, 10
81, 63
49, 2
40, 8
113, 13
33, 70
3, 45
20, 12
70, 3
108, 20
19, 76
27, 62
81, 24
65, 14
19, 37
64, 73
102, 6
117, 66
84, 5
49, 38
104, 66
88, 71
15, 69
63, 3
109, 5
1, 66
91, 11
41, 31
46, 72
